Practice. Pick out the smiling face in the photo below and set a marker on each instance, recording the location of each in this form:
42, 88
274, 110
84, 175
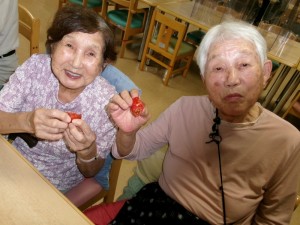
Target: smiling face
235, 78
76, 61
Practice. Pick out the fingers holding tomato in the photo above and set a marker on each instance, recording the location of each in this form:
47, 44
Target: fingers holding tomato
74, 116
137, 106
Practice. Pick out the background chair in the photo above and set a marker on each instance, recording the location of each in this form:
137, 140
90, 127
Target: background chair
107, 196
293, 108
29, 27
93, 4
128, 18
195, 37
297, 202
165, 40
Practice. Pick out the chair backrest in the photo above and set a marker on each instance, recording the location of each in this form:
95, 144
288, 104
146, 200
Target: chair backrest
163, 37
29, 27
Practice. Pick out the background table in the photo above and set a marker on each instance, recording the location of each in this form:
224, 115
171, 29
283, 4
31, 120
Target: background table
27, 197
288, 54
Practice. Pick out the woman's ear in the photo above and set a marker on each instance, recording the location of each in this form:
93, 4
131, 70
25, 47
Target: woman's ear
105, 65
267, 69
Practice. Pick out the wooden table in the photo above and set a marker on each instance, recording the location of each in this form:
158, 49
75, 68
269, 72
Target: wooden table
27, 197
203, 19
288, 54
152, 4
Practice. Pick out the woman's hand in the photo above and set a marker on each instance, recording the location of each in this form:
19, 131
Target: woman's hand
121, 115
48, 124
82, 140
79, 136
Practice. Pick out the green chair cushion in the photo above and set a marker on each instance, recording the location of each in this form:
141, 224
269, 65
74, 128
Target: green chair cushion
275, 65
120, 17
90, 4
196, 35
184, 47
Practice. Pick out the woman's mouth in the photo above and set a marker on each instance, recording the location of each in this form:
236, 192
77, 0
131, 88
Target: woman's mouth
233, 97
72, 75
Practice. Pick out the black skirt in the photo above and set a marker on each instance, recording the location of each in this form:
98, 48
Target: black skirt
151, 206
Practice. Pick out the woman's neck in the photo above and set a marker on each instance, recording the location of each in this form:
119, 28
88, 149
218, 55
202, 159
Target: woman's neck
251, 115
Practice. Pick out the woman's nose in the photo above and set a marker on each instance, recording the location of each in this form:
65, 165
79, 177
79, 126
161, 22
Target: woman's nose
232, 78
77, 60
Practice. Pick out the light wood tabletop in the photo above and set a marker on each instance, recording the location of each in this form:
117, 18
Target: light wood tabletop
286, 52
203, 18
157, 2
27, 197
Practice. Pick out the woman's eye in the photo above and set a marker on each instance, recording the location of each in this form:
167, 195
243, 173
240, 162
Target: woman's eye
244, 65
91, 54
218, 69
69, 45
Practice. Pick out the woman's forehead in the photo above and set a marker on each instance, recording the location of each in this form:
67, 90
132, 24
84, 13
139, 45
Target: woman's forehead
95, 39
238, 45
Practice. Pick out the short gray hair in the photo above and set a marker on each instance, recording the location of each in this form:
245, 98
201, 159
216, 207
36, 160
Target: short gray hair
227, 31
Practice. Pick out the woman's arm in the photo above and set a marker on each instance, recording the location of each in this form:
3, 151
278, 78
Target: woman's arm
281, 193
127, 123
88, 161
48, 124
15, 123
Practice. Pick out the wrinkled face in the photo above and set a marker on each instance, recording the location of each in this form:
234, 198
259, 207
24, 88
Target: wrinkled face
234, 77
77, 60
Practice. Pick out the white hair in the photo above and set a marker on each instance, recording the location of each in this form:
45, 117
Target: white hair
229, 31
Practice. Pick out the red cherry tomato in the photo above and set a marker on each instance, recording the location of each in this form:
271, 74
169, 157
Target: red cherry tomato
74, 115
137, 106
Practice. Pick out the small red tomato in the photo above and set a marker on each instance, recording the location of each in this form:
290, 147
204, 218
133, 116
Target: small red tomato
74, 115
137, 106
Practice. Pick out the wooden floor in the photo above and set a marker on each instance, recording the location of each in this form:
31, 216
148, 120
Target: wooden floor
157, 96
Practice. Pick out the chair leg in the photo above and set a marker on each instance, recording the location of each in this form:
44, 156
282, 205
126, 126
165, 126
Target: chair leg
122, 50
142, 65
144, 58
188, 64
113, 180
167, 77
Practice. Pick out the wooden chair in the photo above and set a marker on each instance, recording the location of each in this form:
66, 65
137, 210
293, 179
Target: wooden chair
29, 27
172, 49
93, 4
297, 202
281, 88
293, 108
128, 18
107, 196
